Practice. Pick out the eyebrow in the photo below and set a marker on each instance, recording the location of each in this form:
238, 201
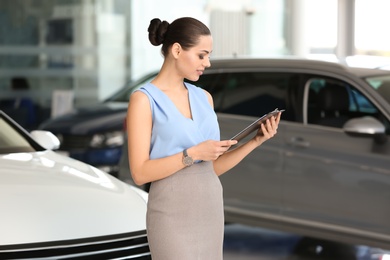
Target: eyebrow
207, 52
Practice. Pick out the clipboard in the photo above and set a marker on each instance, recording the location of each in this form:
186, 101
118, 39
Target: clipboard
255, 125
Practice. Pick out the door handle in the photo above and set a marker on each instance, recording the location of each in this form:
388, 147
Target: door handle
299, 142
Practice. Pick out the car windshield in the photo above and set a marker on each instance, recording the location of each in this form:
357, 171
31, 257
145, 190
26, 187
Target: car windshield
123, 94
382, 85
11, 140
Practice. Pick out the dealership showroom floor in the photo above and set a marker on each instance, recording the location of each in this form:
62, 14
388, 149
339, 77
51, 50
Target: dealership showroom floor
253, 243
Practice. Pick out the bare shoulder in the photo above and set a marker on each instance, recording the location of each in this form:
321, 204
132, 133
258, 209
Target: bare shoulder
209, 97
139, 111
139, 98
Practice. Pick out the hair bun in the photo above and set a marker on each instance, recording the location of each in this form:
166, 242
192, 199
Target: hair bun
157, 31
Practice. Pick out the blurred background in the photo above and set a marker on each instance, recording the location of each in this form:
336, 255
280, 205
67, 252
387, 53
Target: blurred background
88, 49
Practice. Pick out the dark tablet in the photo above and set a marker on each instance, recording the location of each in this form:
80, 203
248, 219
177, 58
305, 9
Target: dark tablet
255, 125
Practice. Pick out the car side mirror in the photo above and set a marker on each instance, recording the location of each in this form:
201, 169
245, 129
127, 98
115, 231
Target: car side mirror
46, 139
366, 126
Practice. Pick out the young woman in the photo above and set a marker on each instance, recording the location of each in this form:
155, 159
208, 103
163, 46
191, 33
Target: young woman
174, 143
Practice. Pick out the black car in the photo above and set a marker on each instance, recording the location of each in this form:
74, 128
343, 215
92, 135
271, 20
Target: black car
95, 134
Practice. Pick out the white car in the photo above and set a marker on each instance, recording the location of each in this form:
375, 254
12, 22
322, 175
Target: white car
55, 207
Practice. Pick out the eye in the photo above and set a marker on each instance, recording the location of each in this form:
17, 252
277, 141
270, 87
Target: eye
201, 56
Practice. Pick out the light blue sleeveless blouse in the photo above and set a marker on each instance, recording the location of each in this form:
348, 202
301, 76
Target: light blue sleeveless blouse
171, 131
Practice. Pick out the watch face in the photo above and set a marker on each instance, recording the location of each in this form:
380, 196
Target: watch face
188, 161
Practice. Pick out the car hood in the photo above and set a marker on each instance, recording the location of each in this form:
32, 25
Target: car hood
45, 196
100, 118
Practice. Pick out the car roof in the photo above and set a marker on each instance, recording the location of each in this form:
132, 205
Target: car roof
365, 72
292, 63
274, 63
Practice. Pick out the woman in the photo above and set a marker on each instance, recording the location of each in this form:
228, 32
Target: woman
173, 140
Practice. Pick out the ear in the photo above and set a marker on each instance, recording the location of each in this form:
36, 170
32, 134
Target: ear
176, 50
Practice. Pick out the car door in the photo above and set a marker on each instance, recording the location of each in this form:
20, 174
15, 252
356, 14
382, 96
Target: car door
334, 180
253, 187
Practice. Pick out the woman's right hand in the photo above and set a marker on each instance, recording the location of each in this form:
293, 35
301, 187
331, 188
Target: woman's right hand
210, 150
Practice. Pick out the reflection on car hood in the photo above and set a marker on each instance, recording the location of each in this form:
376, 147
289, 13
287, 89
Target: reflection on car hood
45, 196
101, 118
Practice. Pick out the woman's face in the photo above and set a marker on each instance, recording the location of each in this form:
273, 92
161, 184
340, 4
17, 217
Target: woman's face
191, 63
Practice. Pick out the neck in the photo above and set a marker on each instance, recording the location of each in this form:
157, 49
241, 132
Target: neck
168, 79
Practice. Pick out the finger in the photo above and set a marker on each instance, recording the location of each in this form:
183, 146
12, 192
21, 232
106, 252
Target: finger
273, 119
274, 123
224, 149
221, 151
274, 127
269, 124
278, 117
228, 142
264, 131
271, 128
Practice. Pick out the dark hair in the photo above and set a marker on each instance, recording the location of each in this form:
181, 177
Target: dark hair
185, 31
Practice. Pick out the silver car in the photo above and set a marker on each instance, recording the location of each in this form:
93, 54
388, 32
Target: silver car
327, 172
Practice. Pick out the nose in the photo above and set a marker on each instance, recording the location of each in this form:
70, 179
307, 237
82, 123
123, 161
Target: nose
207, 63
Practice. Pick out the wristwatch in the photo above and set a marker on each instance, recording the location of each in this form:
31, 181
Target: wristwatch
187, 160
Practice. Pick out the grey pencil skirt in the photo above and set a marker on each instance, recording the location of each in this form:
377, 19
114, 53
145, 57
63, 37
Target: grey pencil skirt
185, 218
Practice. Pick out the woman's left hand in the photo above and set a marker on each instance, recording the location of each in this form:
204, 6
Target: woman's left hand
268, 129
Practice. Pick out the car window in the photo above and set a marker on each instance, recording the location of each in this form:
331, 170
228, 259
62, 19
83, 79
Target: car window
359, 103
250, 93
332, 103
123, 95
382, 85
11, 141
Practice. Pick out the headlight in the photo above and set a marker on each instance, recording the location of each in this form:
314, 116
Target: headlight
110, 139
